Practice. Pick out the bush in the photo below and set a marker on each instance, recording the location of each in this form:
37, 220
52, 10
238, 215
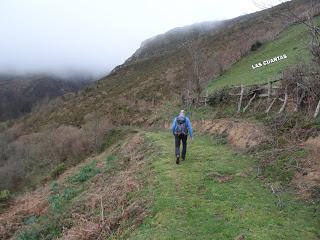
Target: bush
283, 167
84, 174
110, 162
58, 170
94, 131
58, 201
219, 96
22, 157
315, 193
4, 196
51, 230
30, 220
256, 46
220, 139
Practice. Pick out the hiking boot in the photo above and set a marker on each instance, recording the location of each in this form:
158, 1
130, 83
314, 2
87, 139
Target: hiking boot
183, 159
178, 160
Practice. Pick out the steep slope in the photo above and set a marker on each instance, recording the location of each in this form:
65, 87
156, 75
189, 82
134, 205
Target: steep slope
174, 39
293, 42
70, 206
18, 94
136, 89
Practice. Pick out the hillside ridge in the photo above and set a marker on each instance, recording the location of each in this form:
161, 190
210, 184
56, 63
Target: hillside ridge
133, 90
20, 93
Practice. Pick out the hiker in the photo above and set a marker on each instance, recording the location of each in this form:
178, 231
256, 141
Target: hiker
181, 127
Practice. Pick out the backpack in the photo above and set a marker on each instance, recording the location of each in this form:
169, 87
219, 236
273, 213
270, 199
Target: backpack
181, 127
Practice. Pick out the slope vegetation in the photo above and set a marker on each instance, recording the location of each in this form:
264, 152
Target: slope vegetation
135, 190
19, 94
155, 76
293, 42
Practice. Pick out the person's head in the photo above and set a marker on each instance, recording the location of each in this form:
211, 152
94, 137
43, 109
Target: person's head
181, 113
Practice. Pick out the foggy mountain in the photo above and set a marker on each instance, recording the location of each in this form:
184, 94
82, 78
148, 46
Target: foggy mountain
20, 93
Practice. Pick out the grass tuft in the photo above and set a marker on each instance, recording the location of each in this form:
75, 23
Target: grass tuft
85, 173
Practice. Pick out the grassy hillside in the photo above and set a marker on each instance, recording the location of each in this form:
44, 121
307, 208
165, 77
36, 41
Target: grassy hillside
293, 42
132, 92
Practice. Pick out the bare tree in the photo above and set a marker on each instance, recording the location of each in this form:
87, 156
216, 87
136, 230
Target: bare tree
306, 18
95, 129
198, 70
314, 30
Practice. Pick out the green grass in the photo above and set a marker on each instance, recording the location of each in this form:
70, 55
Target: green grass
58, 170
284, 166
61, 199
191, 203
66, 198
293, 42
85, 173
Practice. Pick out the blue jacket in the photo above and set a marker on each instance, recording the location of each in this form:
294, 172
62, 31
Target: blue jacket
188, 125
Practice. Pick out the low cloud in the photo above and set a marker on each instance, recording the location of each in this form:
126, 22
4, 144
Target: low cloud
93, 36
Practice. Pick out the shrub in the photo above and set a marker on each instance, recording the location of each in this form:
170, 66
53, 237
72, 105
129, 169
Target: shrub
58, 170
22, 157
315, 193
84, 174
303, 84
110, 162
58, 200
4, 195
65, 143
283, 167
219, 96
94, 131
256, 46
30, 220
51, 230
220, 139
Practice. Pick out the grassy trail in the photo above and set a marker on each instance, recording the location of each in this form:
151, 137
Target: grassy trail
215, 194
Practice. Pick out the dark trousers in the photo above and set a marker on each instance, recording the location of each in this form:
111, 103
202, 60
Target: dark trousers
181, 138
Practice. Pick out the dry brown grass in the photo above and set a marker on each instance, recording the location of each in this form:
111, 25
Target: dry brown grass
30, 204
309, 177
240, 134
23, 156
102, 208
110, 197
33, 203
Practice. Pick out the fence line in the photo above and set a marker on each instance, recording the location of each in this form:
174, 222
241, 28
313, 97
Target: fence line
268, 91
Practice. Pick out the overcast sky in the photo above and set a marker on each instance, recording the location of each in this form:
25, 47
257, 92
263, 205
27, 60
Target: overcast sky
94, 35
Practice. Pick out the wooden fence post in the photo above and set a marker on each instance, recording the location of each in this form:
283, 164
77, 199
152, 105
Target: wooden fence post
206, 99
285, 101
316, 113
269, 90
250, 101
270, 106
241, 98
